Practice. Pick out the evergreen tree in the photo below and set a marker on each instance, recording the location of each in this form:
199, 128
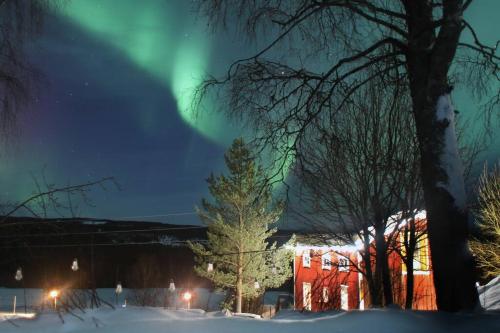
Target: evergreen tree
240, 220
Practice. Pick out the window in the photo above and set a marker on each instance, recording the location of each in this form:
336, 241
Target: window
343, 263
421, 259
306, 259
306, 296
344, 297
325, 295
420, 256
326, 261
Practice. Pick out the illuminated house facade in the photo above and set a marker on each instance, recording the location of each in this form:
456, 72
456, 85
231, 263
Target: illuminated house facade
328, 278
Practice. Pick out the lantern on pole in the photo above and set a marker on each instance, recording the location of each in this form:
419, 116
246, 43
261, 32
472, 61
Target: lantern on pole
74, 265
187, 297
256, 285
54, 294
210, 267
19, 277
19, 274
171, 286
118, 291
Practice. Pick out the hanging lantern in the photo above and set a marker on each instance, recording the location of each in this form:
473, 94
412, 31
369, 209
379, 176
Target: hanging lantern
171, 286
19, 274
119, 288
210, 267
256, 285
274, 270
74, 265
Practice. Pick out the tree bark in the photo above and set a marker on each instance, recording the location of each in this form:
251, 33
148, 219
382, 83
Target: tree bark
410, 254
374, 287
382, 265
428, 59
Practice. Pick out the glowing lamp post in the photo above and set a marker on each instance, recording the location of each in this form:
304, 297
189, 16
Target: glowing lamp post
54, 294
19, 278
118, 291
187, 297
74, 265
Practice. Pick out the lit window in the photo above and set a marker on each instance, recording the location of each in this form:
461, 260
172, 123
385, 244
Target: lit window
325, 294
420, 258
326, 261
306, 259
343, 263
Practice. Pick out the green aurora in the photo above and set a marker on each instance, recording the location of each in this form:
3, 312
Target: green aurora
161, 42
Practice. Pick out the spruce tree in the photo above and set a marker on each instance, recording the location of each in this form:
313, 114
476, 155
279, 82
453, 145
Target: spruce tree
240, 221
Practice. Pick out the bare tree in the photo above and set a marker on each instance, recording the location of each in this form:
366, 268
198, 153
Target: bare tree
20, 21
50, 197
319, 49
355, 168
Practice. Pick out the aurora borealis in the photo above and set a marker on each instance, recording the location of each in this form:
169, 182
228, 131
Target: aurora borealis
114, 101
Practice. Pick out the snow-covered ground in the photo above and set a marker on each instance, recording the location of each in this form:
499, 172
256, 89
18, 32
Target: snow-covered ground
202, 298
156, 319
153, 320
489, 294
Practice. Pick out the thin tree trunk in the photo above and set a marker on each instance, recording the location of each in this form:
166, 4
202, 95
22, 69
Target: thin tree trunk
239, 284
382, 265
410, 254
409, 284
373, 288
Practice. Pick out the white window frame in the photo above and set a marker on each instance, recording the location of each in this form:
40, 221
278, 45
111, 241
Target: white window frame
326, 261
344, 297
324, 295
343, 263
306, 296
306, 259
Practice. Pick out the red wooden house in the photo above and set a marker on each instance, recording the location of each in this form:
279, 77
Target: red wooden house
327, 277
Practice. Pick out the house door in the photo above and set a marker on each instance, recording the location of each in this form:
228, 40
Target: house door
344, 297
306, 295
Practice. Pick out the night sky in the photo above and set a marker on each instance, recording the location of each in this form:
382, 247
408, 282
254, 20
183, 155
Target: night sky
117, 81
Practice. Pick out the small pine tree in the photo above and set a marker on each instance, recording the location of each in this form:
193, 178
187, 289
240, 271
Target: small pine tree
240, 220
487, 250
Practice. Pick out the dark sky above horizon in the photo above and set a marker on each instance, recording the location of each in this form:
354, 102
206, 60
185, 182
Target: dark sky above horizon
117, 78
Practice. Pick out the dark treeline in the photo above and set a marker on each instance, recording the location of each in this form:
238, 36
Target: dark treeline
107, 252
138, 254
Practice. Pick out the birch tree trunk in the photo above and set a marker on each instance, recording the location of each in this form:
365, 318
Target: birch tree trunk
239, 284
429, 59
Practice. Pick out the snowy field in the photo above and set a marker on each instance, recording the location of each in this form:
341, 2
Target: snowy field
202, 298
154, 320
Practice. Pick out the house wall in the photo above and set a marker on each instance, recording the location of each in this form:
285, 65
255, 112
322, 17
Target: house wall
319, 278
424, 297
